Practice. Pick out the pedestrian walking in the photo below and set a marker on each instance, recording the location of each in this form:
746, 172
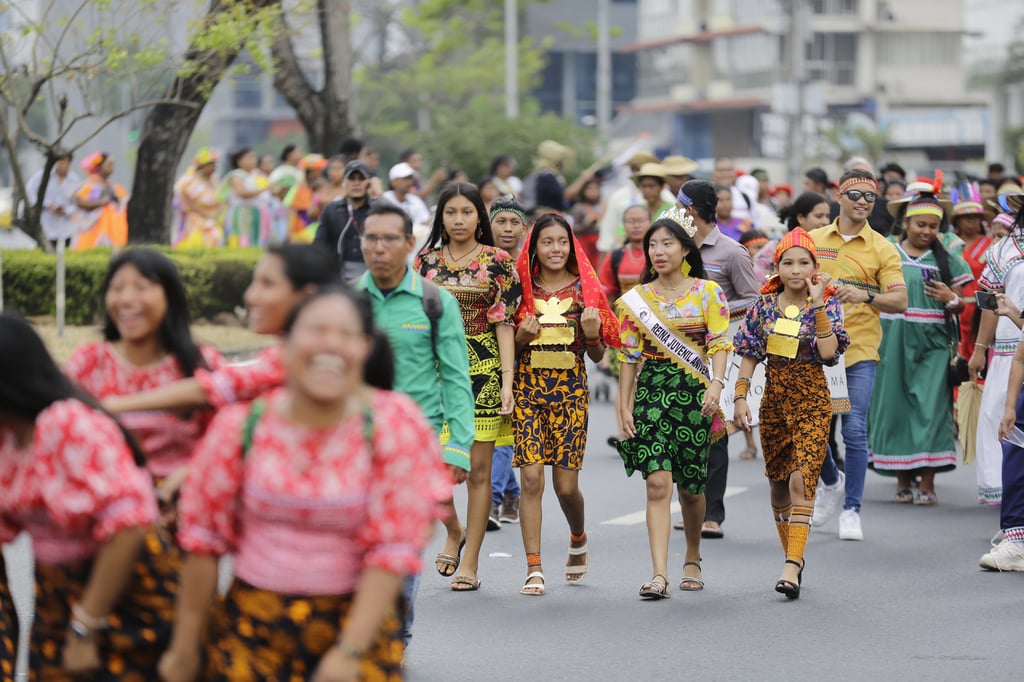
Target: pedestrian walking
461, 257
248, 220
345, 469
429, 345
508, 221
75, 481
795, 327
677, 323
916, 440
729, 265
1008, 555
996, 344
285, 275
197, 198
868, 274
104, 204
563, 316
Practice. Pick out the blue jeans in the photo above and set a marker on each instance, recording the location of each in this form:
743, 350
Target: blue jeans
860, 381
503, 476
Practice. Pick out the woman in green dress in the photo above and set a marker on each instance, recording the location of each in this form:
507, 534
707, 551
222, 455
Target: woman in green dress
910, 425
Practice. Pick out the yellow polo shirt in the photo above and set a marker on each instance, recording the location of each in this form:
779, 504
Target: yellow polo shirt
868, 261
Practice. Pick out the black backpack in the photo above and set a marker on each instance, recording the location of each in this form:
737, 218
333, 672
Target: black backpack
432, 306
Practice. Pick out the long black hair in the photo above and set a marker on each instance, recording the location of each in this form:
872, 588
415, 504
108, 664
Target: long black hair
547, 220
451, 190
802, 206
237, 155
33, 381
306, 264
379, 370
175, 335
693, 257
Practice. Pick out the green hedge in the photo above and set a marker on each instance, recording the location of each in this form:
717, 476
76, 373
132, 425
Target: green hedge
214, 279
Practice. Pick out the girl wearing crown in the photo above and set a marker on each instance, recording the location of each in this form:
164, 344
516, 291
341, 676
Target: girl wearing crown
677, 323
795, 327
563, 316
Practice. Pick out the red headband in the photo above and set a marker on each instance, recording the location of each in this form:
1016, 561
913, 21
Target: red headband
796, 237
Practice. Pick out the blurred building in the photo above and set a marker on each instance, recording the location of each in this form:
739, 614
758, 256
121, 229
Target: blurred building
569, 79
732, 77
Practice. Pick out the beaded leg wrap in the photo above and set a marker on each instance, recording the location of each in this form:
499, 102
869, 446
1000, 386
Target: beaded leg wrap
799, 528
782, 515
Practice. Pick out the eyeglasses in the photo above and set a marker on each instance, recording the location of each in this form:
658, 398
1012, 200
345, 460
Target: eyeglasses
389, 240
857, 195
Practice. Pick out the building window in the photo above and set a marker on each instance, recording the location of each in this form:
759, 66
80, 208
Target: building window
919, 49
661, 68
248, 91
847, 7
832, 57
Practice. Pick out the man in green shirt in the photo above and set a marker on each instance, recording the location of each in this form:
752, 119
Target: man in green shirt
431, 364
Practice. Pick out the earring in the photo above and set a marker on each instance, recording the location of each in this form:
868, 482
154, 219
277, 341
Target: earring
479, 231
685, 268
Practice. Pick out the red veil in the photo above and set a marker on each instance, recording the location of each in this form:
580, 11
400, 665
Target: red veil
593, 294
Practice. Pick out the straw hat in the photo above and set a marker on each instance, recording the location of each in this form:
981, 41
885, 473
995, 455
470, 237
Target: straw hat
678, 165
652, 170
640, 158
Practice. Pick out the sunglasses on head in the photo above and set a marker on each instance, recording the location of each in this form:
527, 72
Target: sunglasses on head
857, 195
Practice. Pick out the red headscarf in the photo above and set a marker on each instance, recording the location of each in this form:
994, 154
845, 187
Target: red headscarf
593, 294
796, 237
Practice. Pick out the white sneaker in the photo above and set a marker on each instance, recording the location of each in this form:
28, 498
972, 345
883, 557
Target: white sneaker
827, 499
849, 525
1006, 556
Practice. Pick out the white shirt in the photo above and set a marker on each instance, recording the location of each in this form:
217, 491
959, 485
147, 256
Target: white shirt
59, 194
413, 206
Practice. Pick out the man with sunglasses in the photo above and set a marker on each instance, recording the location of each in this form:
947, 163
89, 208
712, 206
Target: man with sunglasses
869, 277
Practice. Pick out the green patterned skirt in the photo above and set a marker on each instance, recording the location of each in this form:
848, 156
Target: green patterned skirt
485, 375
671, 433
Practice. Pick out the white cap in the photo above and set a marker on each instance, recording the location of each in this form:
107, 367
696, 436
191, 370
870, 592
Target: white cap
401, 170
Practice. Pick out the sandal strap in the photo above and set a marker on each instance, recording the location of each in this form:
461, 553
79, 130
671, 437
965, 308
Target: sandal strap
691, 563
577, 551
535, 574
798, 564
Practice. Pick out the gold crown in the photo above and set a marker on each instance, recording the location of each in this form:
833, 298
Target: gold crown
681, 218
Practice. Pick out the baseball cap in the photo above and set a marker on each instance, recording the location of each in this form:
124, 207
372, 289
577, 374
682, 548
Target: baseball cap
357, 167
401, 170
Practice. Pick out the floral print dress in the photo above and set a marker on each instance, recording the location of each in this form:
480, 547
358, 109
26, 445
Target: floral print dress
488, 291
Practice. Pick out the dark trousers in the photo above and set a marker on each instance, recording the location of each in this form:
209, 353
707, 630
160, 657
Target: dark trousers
718, 472
1011, 511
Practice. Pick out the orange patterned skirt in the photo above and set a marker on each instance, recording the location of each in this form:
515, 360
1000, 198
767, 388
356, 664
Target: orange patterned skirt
8, 628
258, 635
140, 624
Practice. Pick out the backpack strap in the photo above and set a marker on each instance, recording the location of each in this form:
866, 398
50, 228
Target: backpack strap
256, 410
432, 306
616, 257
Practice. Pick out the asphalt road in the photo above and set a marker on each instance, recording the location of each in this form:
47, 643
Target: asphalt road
909, 602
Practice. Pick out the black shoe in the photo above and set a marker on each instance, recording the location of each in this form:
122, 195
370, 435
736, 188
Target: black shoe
492, 521
787, 587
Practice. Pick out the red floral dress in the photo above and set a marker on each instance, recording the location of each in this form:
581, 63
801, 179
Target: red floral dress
166, 437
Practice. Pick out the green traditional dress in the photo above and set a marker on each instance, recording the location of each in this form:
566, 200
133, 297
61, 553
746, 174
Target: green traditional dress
910, 424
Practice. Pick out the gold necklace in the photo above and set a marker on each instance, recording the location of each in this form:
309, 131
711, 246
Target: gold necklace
458, 261
674, 289
543, 283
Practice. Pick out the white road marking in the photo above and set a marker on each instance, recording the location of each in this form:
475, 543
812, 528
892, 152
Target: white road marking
639, 517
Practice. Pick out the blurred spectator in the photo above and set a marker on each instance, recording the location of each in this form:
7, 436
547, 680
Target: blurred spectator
488, 191
351, 148
678, 169
780, 197
724, 175
893, 171
58, 206
248, 218
988, 188
400, 179
197, 197
503, 168
105, 202
729, 225
996, 171
586, 218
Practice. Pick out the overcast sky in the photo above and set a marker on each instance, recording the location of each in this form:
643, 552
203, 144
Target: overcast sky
996, 20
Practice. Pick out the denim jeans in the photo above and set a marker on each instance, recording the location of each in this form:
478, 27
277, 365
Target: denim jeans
503, 476
860, 380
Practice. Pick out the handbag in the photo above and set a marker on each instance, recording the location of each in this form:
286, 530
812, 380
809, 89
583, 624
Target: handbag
957, 372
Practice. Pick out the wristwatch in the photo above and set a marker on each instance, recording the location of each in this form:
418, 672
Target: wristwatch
871, 297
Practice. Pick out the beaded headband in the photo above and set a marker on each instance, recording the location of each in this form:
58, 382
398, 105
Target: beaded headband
853, 182
508, 209
681, 218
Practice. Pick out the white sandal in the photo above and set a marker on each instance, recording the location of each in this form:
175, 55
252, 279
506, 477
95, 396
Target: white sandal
536, 589
580, 571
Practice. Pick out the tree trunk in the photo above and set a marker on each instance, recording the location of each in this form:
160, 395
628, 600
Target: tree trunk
323, 113
166, 132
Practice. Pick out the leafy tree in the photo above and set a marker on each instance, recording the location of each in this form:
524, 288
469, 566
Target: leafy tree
215, 42
444, 91
323, 111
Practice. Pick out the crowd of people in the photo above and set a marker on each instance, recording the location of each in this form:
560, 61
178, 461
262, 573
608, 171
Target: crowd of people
406, 365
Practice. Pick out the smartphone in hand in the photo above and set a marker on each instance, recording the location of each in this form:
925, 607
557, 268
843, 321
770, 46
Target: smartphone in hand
986, 300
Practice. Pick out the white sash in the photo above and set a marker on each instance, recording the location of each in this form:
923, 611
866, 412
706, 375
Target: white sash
666, 340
